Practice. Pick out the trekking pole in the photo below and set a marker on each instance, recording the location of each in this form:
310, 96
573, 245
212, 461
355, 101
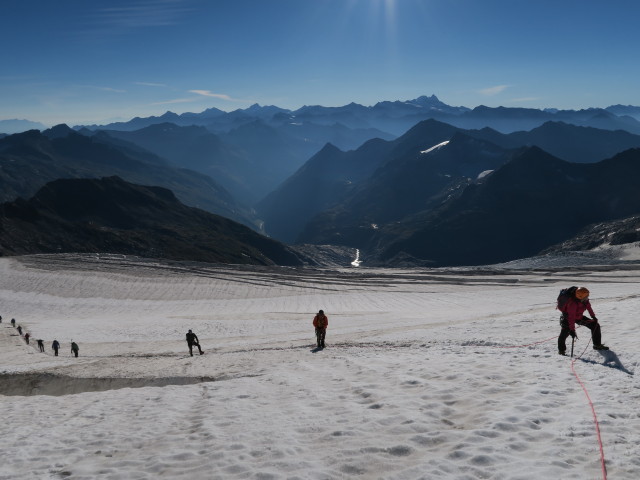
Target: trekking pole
572, 342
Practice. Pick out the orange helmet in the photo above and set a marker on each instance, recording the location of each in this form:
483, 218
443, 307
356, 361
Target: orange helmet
582, 293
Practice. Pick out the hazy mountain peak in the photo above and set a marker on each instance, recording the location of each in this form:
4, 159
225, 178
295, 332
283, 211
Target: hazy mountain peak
425, 101
15, 125
534, 154
58, 131
329, 148
169, 115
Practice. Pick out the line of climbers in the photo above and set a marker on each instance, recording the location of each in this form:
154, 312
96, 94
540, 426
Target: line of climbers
55, 345
320, 322
572, 302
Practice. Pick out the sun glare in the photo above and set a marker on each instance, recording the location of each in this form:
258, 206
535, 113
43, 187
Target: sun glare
377, 12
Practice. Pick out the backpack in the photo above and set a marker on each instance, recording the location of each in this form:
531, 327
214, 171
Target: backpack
565, 295
322, 321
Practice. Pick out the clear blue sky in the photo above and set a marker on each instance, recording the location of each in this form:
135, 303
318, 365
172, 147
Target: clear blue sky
94, 61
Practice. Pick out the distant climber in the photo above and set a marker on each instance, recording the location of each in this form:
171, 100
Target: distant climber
74, 348
41, 345
55, 346
27, 336
192, 341
321, 322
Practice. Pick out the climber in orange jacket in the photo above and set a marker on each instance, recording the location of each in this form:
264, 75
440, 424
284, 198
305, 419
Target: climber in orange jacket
321, 322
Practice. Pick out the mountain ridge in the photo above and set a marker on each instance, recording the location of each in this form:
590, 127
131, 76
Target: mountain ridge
342, 176
31, 159
526, 206
398, 115
109, 215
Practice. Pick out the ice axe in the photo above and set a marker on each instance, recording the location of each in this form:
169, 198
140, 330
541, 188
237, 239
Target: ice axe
573, 339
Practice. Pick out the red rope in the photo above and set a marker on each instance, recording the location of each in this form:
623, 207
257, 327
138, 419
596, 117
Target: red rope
595, 419
593, 410
527, 345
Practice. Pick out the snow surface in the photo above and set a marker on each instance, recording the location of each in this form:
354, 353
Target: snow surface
428, 373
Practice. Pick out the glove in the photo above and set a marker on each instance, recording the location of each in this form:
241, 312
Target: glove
573, 334
595, 319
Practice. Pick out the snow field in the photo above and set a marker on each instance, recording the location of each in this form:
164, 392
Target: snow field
419, 379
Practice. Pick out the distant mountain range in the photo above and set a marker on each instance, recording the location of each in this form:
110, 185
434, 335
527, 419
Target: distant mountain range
395, 117
532, 202
387, 118
109, 215
8, 127
566, 141
337, 196
31, 159
249, 160
407, 183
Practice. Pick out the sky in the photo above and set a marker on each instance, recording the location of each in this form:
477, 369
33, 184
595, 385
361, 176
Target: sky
84, 62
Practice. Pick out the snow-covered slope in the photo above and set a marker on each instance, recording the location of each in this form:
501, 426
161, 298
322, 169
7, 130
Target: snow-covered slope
443, 373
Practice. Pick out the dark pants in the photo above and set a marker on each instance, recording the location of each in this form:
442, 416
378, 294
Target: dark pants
191, 345
596, 335
75, 353
320, 334
56, 351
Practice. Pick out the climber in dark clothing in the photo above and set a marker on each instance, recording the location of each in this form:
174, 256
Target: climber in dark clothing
192, 341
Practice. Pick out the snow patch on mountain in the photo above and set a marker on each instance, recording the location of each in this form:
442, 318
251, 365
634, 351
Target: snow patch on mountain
435, 147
